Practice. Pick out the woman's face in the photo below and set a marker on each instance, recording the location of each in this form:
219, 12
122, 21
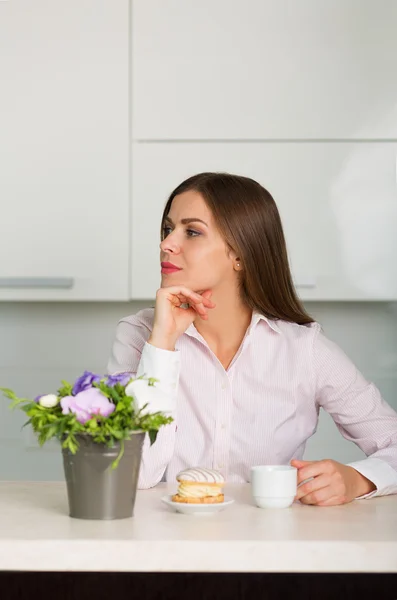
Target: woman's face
193, 244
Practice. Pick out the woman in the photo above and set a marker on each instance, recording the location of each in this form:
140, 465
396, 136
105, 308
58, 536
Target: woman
245, 365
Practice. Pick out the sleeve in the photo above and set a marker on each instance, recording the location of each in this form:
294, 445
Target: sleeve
132, 354
359, 412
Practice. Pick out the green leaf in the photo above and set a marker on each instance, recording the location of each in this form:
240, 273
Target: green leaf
8, 393
14, 398
152, 436
105, 389
92, 424
120, 389
116, 393
62, 428
16, 402
65, 390
50, 422
28, 407
49, 432
70, 442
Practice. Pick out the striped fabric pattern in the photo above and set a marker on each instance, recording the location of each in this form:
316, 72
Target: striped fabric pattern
263, 408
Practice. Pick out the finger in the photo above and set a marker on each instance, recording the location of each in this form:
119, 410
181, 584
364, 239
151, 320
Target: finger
192, 296
178, 297
333, 501
182, 298
299, 464
312, 470
198, 308
207, 301
295, 462
176, 300
207, 294
200, 302
196, 301
320, 495
311, 486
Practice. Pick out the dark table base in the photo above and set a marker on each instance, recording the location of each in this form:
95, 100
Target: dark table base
16, 585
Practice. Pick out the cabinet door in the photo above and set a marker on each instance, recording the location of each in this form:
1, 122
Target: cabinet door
338, 205
264, 69
64, 151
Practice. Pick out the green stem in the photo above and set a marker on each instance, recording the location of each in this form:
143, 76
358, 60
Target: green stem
115, 463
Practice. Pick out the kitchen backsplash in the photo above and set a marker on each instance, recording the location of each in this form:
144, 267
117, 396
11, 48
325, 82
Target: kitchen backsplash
42, 343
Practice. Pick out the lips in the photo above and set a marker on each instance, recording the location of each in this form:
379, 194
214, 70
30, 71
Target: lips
167, 268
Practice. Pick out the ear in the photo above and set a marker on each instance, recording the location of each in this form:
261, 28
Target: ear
236, 261
237, 264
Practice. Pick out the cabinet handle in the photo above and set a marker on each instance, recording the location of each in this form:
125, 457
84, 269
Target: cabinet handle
36, 282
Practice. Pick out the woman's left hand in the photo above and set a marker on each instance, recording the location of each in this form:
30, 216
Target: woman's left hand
333, 483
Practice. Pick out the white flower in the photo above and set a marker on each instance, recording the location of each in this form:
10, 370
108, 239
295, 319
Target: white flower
49, 401
154, 397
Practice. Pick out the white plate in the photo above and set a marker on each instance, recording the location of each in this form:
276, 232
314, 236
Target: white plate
197, 509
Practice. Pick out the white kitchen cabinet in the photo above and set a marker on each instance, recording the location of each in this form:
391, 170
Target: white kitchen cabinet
264, 69
338, 203
64, 150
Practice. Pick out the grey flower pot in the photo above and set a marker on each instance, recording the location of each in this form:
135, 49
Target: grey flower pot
95, 490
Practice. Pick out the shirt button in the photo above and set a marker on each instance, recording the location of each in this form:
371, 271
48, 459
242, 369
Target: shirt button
224, 386
223, 426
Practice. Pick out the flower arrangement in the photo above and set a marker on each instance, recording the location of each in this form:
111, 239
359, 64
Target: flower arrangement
107, 408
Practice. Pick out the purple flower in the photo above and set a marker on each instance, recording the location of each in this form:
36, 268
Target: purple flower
84, 382
37, 399
86, 404
122, 378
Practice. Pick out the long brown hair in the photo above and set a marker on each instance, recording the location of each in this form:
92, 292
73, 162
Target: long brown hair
248, 219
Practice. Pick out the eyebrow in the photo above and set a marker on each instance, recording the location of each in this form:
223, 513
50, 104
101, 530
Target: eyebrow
187, 221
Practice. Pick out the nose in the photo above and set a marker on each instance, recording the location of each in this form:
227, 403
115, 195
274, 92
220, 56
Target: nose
170, 244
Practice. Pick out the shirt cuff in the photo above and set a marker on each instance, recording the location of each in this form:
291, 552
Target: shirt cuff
380, 473
160, 364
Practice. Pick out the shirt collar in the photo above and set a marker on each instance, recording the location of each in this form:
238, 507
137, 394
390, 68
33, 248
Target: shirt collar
256, 317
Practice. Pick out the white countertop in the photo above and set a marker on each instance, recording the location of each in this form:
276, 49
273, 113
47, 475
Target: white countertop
36, 534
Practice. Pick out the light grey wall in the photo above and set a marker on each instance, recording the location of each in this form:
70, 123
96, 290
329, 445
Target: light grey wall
42, 343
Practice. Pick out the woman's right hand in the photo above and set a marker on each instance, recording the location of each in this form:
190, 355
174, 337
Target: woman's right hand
170, 320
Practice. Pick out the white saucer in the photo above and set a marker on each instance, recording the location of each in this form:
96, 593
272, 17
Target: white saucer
197, 509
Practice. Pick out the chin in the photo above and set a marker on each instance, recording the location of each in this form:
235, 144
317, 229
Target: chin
172, 279
169, 280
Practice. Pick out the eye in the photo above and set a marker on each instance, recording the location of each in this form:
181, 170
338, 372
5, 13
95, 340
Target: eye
166, 231
192, 233
189, 232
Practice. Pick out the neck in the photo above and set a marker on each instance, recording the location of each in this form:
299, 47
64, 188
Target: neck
227, 323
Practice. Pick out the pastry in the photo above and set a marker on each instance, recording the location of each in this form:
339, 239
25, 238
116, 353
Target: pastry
199, 486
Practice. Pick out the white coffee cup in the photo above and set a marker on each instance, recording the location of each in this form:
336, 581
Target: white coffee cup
273, 486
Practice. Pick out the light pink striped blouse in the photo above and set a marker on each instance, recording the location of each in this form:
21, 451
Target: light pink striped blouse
263, 408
